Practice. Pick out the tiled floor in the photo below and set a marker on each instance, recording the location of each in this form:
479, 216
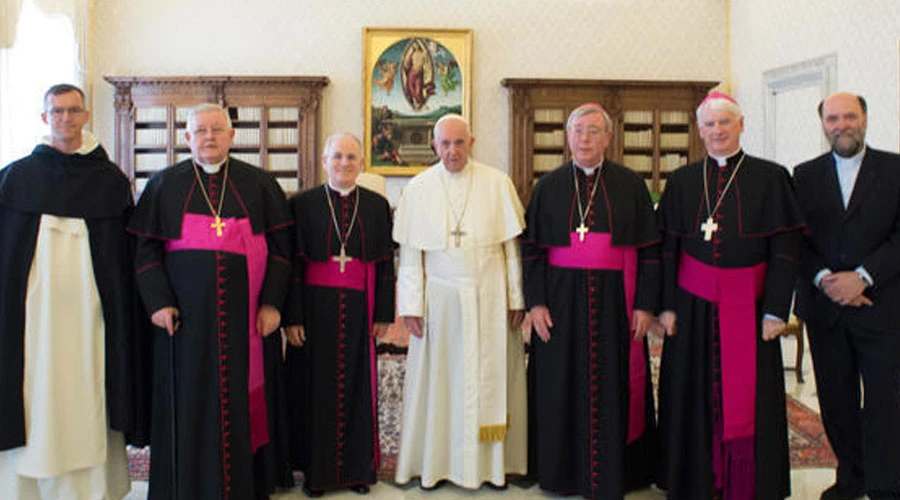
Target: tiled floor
806, 484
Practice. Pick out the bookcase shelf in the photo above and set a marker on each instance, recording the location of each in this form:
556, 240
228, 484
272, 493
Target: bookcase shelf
276, 121
655, 129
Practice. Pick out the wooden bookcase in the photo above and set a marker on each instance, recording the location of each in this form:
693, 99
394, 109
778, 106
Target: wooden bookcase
655, 128
276, 122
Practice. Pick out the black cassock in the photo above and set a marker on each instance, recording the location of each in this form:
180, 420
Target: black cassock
211, 289
87, 187
579, 381
758, 222
333, 401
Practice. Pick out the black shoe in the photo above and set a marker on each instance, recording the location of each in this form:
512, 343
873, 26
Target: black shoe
437, 485
838, 491
362, 489
312, 493
495, 487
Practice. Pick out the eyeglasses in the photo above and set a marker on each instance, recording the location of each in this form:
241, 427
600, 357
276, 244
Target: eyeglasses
208, 130
74, 110
589, 131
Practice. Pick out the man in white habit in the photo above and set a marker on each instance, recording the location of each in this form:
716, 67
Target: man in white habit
459, 292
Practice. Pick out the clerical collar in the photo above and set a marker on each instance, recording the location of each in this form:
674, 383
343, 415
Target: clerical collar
723, 160
212, 168
589, 171
855, 159
344, 192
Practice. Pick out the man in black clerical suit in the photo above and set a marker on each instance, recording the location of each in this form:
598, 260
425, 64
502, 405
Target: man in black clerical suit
849, 296
70, 359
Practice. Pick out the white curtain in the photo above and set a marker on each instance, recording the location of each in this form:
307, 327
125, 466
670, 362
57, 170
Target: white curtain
54, 40
9, 19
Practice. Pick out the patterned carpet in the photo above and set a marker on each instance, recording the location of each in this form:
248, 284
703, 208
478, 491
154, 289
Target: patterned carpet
809, 446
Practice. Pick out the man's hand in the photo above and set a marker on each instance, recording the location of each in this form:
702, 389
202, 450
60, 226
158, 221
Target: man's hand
540, 318
296, 335
667, 320
772, 328
515, 318
167, 319
267, 320
860, 301
843, 287
641, 322
415, 325
380, 329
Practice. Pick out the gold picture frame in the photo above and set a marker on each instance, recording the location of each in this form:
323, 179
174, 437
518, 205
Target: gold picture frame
412, 77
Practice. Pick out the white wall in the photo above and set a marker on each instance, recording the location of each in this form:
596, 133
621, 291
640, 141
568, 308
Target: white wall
622, 39
864, 34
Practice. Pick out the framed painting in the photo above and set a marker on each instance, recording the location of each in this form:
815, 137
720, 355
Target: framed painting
411, 78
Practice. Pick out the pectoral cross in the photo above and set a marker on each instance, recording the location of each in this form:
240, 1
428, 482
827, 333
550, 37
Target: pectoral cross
581, 230
218, 225
342, 258
457, 234
708, 228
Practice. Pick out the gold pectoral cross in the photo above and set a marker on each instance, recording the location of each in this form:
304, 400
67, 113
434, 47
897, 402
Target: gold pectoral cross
457, 234
581, 230
342, 258
218, 225
708, 228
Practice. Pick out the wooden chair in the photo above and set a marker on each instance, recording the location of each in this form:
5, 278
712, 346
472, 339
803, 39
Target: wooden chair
795, 328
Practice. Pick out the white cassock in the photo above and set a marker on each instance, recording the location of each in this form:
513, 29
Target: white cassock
464, 399
69, 451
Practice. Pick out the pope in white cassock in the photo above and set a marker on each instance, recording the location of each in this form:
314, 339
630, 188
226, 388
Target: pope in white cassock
459, 291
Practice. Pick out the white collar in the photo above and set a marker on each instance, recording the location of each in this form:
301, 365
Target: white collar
212, 168
589, 170
723, 160
344, 192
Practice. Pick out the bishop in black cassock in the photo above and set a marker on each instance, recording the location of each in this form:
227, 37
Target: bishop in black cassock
343, 284
729, 264
591, 417
219, 259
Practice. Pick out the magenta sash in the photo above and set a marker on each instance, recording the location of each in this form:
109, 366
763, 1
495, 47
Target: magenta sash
238, 238
736, 291
597, 252
360, 276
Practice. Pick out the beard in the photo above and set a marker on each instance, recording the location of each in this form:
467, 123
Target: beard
846, 144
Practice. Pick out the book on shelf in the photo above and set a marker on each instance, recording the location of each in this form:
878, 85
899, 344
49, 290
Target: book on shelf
555, 138
638, 117
154, 114
638, 163
149, 162
546, 162
246, 137
283, 161
671, 161
150, 137
671, 117
549, 115
248, 114
283, 114
283, 136
181, 114
639, 139
251, 158
674, 140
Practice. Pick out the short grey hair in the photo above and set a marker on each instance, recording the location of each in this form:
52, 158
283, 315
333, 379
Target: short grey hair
718, 104
329, 142
207, 107
450, 117
589, 109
